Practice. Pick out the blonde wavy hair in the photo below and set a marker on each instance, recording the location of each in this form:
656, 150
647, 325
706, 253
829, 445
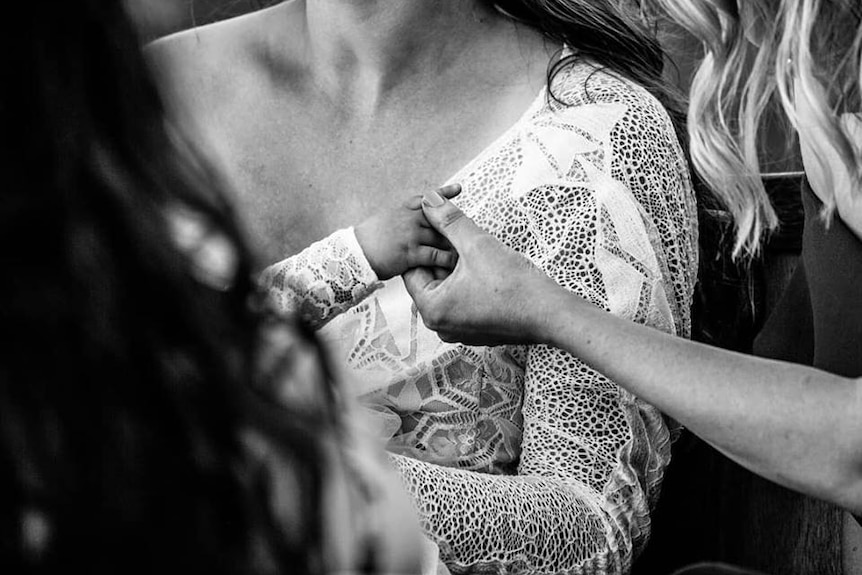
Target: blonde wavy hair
756, 50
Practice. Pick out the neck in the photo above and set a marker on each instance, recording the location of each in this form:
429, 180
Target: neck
372, 46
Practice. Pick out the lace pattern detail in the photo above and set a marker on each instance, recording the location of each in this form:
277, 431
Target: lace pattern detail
325, 279
596, 192
524, 459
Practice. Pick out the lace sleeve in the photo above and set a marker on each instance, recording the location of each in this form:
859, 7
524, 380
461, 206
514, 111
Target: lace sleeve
324, 280
618, 229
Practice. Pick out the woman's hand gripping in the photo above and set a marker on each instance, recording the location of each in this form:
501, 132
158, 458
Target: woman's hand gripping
399, 239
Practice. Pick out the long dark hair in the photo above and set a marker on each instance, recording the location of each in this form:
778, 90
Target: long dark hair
121, 374
616, 35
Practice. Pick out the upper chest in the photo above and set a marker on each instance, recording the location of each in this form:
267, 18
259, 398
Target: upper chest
302, 168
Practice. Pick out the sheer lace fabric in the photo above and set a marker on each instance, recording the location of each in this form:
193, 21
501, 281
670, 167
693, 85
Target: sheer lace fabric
364, 502
524, 459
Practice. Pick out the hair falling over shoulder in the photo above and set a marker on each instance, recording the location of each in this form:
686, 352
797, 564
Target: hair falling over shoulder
613, 34
756, 50
819, 69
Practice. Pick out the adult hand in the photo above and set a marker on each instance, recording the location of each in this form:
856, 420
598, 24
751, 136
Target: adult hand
493, 296
400, 238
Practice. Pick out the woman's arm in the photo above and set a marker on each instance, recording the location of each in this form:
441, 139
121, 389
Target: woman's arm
795, 425
792, 424
512, 524
592, 455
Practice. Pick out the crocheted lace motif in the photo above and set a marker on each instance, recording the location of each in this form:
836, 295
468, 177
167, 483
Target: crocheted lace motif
522, 458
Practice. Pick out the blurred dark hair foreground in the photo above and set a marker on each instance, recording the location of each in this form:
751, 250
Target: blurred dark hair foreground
122, 375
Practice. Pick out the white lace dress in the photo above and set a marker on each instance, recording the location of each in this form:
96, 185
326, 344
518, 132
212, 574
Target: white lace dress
522, 459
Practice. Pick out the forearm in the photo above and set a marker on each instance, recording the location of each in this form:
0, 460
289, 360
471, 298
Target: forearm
513, 523
795, 425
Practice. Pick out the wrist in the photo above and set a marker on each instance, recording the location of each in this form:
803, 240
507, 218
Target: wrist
563, 318
543, 323
364, 239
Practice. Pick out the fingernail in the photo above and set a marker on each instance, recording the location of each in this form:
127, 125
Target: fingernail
433, 199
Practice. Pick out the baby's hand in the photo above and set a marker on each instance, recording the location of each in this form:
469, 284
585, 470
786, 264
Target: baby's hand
399, 239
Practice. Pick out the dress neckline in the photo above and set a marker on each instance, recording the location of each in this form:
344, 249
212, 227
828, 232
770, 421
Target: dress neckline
536, 105
495, 144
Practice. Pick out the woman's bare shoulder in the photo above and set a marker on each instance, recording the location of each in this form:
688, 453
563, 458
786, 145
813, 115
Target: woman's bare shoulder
211, 62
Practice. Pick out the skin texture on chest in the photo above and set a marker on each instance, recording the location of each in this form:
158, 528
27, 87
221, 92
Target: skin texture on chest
300, 171
310, 152
298, 184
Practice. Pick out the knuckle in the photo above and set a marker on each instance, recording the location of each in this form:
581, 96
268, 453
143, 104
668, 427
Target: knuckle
433, 256
451, 218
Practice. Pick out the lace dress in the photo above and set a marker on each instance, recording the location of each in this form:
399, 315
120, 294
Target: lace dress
523, 458
290, 395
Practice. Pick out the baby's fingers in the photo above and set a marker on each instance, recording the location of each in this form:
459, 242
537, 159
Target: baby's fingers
440, 274
431, 257
430, 237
